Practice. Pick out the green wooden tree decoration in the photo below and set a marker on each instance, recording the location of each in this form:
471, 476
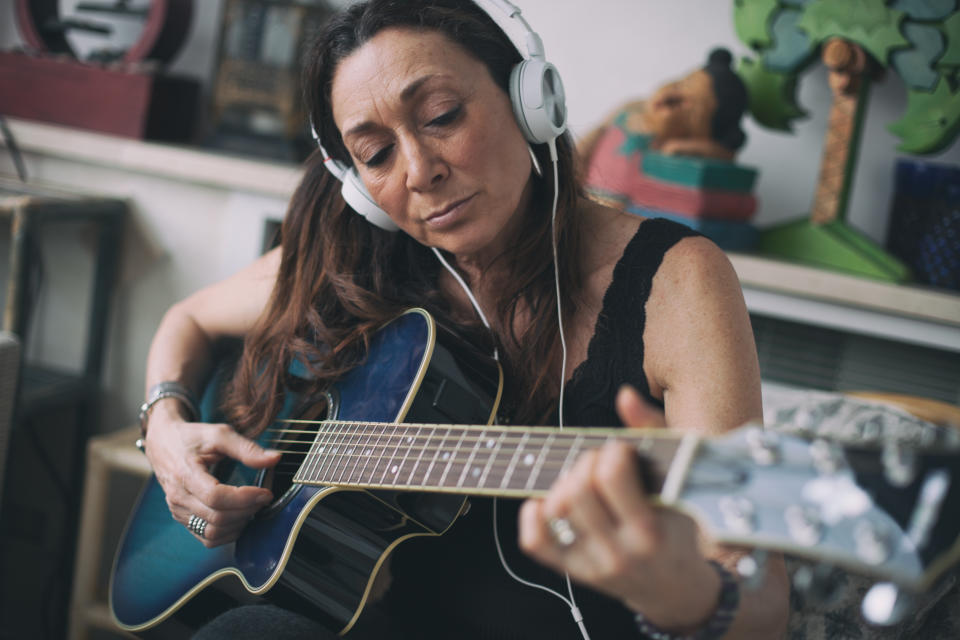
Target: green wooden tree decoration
858, 40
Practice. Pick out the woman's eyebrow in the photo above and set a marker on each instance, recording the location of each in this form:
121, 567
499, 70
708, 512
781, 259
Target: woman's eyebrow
408, 93
411, 89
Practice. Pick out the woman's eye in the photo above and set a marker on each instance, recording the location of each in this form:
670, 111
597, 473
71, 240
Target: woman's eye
379, 157
445, 118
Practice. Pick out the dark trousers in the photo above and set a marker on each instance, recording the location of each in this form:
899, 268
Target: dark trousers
260, 621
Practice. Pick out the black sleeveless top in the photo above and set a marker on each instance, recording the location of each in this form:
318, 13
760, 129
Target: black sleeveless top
454, 587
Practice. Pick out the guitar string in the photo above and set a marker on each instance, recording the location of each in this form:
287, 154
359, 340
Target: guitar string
401, 430
504, 435
551, 461
547, 459
301, 447
545, 446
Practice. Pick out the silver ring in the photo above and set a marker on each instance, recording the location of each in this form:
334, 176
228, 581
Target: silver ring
562, 531
197, 525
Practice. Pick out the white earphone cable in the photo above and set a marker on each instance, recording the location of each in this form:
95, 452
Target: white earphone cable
563, 349
571, 601
556, 279
466, 289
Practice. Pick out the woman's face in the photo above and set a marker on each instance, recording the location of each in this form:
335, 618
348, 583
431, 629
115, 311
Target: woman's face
434, 140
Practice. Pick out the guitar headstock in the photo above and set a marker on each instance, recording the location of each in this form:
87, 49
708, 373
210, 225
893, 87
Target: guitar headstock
887, 509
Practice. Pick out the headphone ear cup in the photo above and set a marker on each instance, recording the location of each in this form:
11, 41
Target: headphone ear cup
356, 195
539, 101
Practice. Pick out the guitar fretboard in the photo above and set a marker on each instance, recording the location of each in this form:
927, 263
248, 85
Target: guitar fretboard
490, 460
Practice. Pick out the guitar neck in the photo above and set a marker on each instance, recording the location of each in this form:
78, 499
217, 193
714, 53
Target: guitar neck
473, 460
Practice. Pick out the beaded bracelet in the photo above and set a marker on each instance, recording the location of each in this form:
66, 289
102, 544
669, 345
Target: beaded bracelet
159, 391
719, 622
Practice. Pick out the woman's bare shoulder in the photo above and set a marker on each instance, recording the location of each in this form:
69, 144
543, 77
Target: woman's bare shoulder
699, 344
607, 233
695, 264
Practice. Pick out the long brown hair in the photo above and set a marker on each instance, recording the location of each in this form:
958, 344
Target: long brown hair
341, 278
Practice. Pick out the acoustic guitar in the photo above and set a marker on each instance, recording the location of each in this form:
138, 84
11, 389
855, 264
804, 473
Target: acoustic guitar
410, 434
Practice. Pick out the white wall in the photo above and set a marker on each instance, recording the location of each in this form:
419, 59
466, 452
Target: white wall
608, 51
612, 50
180, 238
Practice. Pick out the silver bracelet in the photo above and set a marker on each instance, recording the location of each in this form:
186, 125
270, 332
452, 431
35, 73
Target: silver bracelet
716, 625
158, 392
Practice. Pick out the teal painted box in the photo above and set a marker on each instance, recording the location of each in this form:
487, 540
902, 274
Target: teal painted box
699, 173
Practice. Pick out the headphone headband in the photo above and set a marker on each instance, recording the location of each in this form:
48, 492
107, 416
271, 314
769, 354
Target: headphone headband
529, 44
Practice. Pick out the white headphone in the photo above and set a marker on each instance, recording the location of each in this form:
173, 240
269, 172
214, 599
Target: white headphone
536, 93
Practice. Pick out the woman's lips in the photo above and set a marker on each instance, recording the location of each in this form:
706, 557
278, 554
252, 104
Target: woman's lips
449, 215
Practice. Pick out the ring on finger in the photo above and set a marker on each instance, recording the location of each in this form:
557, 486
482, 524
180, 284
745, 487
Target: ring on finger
562, 531
197, 525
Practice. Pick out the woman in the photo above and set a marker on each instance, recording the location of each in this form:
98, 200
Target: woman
413, 94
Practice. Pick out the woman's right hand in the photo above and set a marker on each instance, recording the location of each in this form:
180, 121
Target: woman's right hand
183, 453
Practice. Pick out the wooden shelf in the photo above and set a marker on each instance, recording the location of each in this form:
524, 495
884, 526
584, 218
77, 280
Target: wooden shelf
771, 287
192, 165
906, 313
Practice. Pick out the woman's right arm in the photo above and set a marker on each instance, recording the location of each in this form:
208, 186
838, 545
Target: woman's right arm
181, 452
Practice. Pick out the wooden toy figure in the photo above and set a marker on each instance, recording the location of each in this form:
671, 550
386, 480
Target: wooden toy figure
672, 155
697, 115
857, 42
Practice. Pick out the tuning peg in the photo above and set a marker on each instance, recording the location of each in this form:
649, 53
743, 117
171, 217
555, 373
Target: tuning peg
804, 523
764, 445
899, 462
752, 569
886, 604
827, 456
739, 513
873, 541
816, 585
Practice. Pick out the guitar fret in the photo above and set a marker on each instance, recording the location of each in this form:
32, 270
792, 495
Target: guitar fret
571, 454
473, 454
347, 448
320, 446
389, 466
492, 459
362, 452
436, 455
363, 477
539, 464
416, 443
557, 456
524, 468
513, 461
410, 441
302, 473
380, 460
355, 453
333, 455
421, 465
321, 453
453, 459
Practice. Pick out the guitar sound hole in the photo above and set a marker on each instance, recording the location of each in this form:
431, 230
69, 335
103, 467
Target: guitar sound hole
293, 440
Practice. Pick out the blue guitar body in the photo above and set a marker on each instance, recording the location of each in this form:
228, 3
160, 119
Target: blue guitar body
316, 549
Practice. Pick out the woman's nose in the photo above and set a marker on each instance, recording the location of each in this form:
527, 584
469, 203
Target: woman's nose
425, 166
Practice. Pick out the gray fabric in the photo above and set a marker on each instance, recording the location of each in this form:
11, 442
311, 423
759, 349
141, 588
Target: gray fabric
258, 622
9, 374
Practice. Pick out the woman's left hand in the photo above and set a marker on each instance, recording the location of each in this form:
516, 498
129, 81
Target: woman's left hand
621, 545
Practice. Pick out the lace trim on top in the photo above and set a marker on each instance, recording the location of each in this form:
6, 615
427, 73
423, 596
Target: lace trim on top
615, 353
